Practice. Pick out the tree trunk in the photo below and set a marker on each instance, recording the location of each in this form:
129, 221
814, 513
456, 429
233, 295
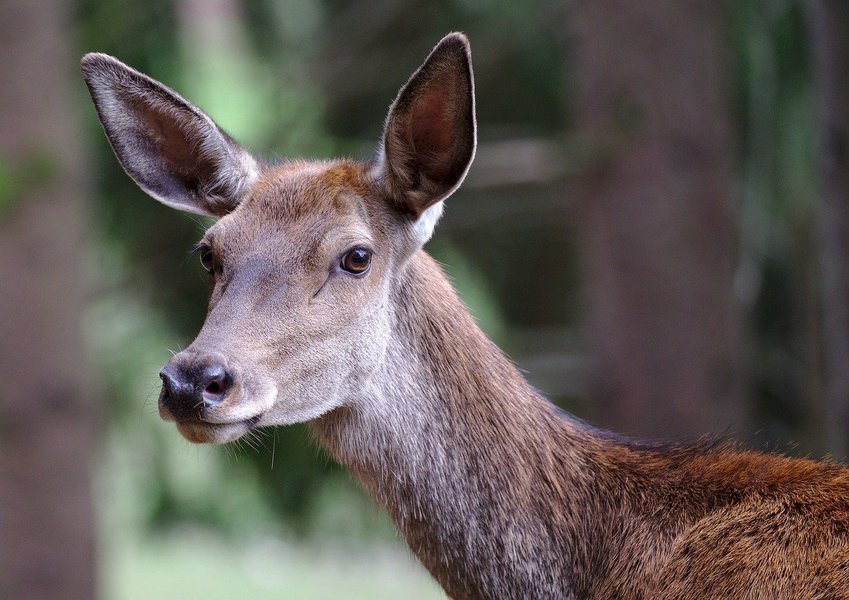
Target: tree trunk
829, 29
47, 433
656, 217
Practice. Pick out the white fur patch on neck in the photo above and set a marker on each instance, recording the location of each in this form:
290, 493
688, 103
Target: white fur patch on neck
423, 228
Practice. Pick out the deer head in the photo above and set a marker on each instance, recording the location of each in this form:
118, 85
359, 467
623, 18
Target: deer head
304, 256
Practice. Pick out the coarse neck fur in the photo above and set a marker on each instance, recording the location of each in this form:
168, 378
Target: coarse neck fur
501, 495
457, 446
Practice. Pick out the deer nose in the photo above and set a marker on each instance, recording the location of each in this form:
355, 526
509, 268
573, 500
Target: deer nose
188, 391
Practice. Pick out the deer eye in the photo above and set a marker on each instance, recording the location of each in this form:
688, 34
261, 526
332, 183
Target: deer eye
206, 257
357, 260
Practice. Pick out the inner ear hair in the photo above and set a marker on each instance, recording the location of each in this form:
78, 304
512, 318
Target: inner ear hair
430, 133
172, 149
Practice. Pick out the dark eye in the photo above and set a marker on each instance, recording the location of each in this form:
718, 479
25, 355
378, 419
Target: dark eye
206, 258
357, 260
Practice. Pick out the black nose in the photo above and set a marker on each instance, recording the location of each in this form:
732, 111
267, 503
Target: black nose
189, 391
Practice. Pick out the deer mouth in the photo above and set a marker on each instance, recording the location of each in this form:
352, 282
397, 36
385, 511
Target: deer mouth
214, 416
204, 432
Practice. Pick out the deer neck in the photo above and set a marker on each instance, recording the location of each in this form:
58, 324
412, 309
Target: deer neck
465, 456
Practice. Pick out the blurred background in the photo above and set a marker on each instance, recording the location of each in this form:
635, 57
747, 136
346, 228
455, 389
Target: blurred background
656, 229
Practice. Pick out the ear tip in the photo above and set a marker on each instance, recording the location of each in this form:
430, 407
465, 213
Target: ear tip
92, 59
93, 63
456, 41
456, 37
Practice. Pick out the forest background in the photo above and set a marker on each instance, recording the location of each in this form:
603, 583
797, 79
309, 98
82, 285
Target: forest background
656, 229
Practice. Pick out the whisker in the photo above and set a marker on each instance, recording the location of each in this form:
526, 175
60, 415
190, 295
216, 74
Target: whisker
273, 445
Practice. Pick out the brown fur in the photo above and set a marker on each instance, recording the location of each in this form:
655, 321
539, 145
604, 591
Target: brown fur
497, 492
545, 506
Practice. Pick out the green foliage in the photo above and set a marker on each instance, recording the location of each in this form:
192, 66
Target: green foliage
190, 563
7, 188
37, 169
778, 210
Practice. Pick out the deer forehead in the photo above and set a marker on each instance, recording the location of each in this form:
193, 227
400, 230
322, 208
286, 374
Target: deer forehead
311, 205
292, 191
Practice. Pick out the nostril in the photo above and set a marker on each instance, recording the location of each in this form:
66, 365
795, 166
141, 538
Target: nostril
216, 386
217, 381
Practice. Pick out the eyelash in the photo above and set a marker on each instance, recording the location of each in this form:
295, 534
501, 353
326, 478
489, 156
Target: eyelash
205, 252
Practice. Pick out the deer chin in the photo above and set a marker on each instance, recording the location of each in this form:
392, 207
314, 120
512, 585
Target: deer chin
201, 432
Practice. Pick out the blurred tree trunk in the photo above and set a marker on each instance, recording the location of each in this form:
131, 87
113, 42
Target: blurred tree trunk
656, 215
829, 34
46, 414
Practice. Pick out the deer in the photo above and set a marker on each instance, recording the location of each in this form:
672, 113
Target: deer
324, 308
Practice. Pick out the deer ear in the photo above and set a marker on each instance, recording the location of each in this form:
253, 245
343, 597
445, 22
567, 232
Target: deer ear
429, 136
170, 148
